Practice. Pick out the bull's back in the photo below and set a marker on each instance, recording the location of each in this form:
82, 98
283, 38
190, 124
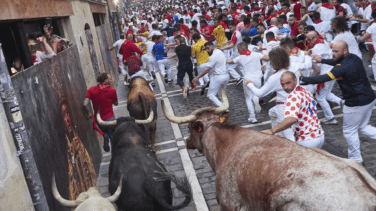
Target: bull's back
271, 172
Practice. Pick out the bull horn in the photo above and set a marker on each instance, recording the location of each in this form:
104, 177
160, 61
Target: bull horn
225, 103
146, 121
116, 195
175, 119
105, 123
149, 80
64, 202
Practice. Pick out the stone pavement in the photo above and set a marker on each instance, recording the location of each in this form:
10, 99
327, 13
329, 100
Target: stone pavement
171, 150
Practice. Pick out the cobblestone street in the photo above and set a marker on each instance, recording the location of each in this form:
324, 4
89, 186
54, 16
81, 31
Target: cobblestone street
171, 149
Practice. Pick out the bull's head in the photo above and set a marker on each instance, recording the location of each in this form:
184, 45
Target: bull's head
199, 120
92, 192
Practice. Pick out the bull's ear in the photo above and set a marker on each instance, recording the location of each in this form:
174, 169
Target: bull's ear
198, 126
223, 118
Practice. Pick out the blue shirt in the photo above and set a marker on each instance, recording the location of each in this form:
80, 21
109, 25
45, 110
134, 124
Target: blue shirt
170, 30
159, 49
253, 32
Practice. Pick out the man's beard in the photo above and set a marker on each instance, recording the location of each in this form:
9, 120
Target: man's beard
339, 59
210, 53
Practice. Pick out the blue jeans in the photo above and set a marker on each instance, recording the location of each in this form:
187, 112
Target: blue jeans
108, 133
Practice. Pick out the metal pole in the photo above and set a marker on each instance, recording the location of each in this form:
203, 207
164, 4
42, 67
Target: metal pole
21, 138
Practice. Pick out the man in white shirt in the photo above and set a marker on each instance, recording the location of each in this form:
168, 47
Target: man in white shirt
371, 31
251, 63
364, 13
324, 91
235, 40
327, 11
279, 60
272, 28
218, 73
117, 46
322, 26
155, 31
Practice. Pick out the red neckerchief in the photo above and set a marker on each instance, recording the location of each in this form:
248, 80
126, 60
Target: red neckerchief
272, 40
310, 4
276, 71
269, 27
246, 52
285, 22
35, 59
317, 21
327, 5
361, 6
318, 41
319, 87
186, 14
294, 51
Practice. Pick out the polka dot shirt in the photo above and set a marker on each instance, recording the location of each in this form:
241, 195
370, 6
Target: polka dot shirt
301, 105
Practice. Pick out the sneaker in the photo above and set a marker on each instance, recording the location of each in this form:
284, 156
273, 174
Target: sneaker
193, 86
170, 81
207, 84
185, 92
238, 82
203, 89
252, 120
165, 76
332, 121
153, 75
256, 105
261, 102
153, 83
106, 146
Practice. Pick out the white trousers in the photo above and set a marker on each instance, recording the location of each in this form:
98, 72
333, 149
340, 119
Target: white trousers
313, 143
249, 95
139, 74
231, 67
374, 65
277, 115
121, 65
325, 96
153, 65
216, 82
356, 119
144, 59
162, 64
204, 79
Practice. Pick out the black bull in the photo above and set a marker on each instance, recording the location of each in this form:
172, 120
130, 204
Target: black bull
146, 182
139, 103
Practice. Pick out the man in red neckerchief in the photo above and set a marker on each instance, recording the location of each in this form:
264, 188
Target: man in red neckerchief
327, 11
296, 6
234, 14
103, 96
294, 26
340, 11
207, 31
127, 48
324, 90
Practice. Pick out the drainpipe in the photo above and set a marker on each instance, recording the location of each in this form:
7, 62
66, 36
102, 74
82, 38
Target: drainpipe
111, 19
21, 138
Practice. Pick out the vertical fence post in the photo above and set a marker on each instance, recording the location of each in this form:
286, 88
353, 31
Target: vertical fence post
20, 136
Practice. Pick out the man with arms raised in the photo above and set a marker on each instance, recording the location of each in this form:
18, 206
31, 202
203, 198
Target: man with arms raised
359, 97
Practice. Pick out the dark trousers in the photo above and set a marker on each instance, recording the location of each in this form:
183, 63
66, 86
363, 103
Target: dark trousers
182, 69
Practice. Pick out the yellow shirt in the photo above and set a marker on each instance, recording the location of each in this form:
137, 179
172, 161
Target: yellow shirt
146, 34
198, 50
220, 35
143, 48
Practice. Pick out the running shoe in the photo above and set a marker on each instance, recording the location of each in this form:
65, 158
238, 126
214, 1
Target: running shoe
185, 92
332, 121
252, 120
256, 104
106, 146
238, 82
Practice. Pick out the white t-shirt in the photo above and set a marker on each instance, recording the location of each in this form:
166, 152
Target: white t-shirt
251, 65
312, 7
349, 38
187, 20
149, 47
324, 51
42, 56
217, 63
236, 39
154, 32
366, 15
117, 46
273, 29
372, 31
309, 20
327, 14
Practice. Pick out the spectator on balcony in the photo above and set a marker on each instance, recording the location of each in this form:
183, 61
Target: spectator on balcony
39, 48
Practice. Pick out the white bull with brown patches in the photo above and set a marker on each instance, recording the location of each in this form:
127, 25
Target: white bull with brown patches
91, 200
256, 171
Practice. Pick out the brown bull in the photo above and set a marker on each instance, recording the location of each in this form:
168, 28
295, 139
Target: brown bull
141, 101
256, 171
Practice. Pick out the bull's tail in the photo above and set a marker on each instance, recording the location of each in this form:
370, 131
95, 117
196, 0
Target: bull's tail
181, 184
